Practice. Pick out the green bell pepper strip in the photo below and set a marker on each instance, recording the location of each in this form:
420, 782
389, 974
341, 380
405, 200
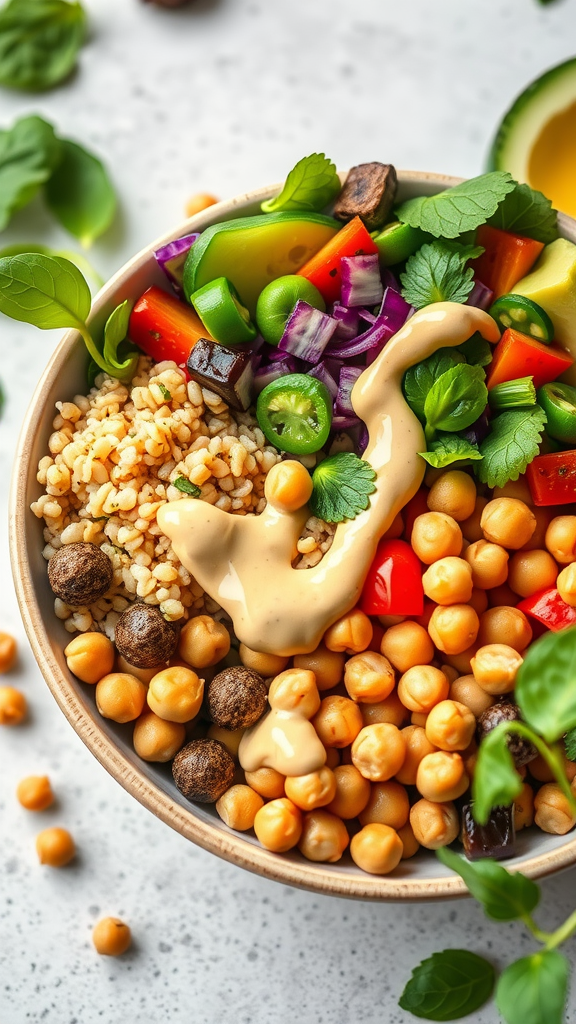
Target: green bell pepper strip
276, 304
225, 318
559, 403
397, 241
295, 413
523, 315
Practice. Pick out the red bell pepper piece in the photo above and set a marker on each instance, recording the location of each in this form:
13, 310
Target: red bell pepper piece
164, 327
552, 478
548, 608
323, 269
417, 506
394, 582
505, 260
518, 355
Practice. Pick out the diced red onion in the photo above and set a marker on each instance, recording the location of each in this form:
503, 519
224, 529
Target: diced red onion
361, 281
392, 316
480, 296
369, 317
348, 377
363, 438
348, 322
307, 332
389, 280
395, 307
345, 422
478, 430
266, 374
172, 257
322, 373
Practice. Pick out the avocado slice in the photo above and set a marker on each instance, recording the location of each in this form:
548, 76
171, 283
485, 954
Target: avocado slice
252, 251
552, 284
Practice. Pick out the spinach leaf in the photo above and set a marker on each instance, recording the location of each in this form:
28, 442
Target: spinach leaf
448, 985
29, 153
80, 193
496, 782
533, 990
77, 258
46, 291
546, 685
476, 350
448, 448
115, 332
456, 399
504, 895
419, 379
39, 42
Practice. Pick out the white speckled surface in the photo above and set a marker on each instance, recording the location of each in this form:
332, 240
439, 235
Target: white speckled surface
223, 97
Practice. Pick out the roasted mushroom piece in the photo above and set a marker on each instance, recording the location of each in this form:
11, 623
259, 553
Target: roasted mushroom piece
225, 371
495, 839
369, 193
505, 711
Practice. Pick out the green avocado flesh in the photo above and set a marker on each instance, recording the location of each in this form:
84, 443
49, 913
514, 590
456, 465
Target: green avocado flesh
252, 251
552, 284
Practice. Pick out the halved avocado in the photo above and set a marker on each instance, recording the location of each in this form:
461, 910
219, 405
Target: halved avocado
536, 140
252, 251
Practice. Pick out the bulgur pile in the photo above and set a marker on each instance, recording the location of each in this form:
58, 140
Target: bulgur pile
114, 457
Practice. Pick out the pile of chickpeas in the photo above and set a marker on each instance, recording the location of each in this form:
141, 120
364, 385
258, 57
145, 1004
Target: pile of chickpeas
394, 701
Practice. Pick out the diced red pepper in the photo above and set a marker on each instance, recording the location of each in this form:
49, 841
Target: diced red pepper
417, 506
548, 608
552, 478
323, 270
164, 327
394, 582
517, 355
506, 258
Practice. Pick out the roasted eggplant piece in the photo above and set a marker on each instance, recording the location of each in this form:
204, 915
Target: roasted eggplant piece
495, 839
505, 711
369, 193
226, 371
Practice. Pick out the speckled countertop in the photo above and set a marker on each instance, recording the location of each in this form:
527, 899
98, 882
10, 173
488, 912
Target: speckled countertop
223, 97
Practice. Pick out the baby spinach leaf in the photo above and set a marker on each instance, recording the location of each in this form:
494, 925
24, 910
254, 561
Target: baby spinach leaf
39, 42
527, 212
311, 184
80, 193
496, 782
476, 350
511, 445
546, 684
504, 895
115, 332
77, 258
29, 153
533, 990
419, 379
456, 399
448, 448
458, 209
46, 291
448, 985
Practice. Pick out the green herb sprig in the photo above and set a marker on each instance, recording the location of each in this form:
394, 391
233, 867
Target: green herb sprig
311, 184
181, 483
462, 208
528, 212
342, 485
39, 42
438, 272
511, 445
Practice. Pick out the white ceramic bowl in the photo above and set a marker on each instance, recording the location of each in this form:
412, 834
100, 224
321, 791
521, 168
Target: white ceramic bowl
422, 877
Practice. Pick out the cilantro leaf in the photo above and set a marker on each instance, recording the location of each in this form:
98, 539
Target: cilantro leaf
341, 486
476, 350
458, 209
456, 399
184, 485
527, 212
448, 985
511, 444
310, 185
419, 379
438, 273
448, 448
570, 744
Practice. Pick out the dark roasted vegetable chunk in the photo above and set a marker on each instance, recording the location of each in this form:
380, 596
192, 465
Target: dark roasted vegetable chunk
226, 371
495, 839
368, 192
505, 711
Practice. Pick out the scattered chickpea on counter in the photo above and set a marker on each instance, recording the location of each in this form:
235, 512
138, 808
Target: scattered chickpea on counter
111, 937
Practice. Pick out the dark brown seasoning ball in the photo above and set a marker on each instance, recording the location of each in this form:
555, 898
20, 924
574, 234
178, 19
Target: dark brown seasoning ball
237, 697
203, 770
144, 637
80, 574
505, 711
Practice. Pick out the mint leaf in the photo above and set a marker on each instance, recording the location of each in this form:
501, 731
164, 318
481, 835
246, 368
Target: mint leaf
80, 193
476, 350
546, 684
448, 985
29, 153
496, 782
184, 485
533, 990
438, 273
505, 896
448, 448
458, 209
341, 487
511, 445
419, 379
527, 212
570, 744
456, 399
310, 185
39, 42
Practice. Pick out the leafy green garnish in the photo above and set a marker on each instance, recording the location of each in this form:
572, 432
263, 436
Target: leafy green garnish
476, 350
80, 193
570, 744
527, 212
511, 445
458, 209
310, 185
448, 448
29, 154
341, 487
546, 684
419, 379
504, 896
455, 400
184, 485
512, 394
78, 258
438, 273
533, 989
448, 985
496, 782
115, 331
164, 392
39, 42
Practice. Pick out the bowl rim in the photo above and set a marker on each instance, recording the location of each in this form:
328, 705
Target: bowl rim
230, 846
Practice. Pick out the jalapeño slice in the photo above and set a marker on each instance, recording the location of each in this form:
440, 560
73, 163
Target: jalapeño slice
295, 413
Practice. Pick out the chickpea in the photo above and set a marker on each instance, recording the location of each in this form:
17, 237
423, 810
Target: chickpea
421, 687
561, 539
155, 739
229, 738
470, 757
376, 849
327, 666
13, 706
553, 812
497, 596
450, 726
467, 691
453, 493
448, 581
434, 824
505, 625
388, 805
540, 770
390, 620
7, 651
436, 535
198, 202
409, 842
90, 656
368, 677
120, 697
543, 518
378, 751
489, 564
461, 662
278, 825
450, 672
338, 721
523, 808
55, 847
353, 633
518, 489
311, 791
265, 664
531, 571
453, 628
417, 746
288, 485
267, 782
566, 584
324, 837
390, 710
238, 807
471, 529
111, 936
478, 601
441, 776
508, 522
407, 644
143, 674
295, 690
203, 641
495, 668
352, 792
175, 694
35, 793
419, 718
424, 619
